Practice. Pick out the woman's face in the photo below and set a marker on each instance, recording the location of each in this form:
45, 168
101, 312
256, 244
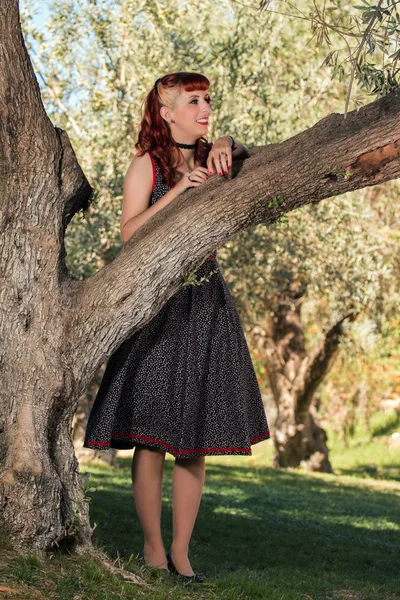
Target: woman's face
191, 114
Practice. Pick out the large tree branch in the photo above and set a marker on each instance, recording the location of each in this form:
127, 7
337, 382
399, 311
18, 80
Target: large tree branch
317, 365
275, 366
335, 156
37, 162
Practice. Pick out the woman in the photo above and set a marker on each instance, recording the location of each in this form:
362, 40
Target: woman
184, 383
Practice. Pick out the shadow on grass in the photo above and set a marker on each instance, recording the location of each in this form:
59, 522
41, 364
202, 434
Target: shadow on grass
388, 426
388, 472
265, 520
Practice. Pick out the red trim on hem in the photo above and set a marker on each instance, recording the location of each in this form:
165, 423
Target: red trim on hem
260, 436
154, 172
149, 439
100, 443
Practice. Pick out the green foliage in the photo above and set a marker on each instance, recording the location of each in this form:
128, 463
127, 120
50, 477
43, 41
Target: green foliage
365, 377
332, 250
368, 30
74, 522
93, 83
276, 201
193, 279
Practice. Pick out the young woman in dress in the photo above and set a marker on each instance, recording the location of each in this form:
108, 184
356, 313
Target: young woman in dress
184, 383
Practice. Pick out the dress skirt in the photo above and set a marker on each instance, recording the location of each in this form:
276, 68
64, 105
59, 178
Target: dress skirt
184, 382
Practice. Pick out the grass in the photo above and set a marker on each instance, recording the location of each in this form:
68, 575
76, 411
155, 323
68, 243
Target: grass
260, 533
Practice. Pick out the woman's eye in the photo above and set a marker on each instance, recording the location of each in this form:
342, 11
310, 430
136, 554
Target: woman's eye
206, 99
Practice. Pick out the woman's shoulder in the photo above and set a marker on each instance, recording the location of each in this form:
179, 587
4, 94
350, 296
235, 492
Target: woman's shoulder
143, 165
146, 158
144, 155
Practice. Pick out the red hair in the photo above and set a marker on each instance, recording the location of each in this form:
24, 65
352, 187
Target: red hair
154, 133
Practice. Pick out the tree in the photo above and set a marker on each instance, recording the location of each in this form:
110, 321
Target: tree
57, 330
315, 271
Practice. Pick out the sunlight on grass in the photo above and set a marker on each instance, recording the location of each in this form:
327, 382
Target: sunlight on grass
263, 529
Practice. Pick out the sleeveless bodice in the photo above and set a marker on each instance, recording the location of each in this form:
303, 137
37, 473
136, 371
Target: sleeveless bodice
160, 188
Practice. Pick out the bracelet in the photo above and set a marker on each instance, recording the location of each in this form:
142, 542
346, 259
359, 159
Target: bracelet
233, 147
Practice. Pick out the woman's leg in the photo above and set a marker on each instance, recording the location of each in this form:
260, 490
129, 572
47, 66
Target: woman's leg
147, 476
187, 486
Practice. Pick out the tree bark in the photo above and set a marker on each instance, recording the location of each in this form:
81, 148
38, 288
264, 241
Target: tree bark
80, 421
56, 331
294, 377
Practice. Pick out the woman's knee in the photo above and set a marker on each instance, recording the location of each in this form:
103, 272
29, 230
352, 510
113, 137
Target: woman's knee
193, 461
153, 449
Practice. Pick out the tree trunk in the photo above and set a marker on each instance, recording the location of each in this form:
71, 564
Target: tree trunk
294, 377
79, 424
56, 331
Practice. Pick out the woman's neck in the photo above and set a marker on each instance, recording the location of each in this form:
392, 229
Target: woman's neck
188, 157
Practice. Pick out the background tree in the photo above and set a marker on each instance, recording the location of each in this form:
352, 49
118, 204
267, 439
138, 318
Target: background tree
307, 273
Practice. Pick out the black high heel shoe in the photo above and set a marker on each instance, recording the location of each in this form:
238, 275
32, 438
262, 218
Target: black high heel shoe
196, 578
141, 561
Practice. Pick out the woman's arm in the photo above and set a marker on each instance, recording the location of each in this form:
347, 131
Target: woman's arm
138, 184
239, 150
223, 149
137, 221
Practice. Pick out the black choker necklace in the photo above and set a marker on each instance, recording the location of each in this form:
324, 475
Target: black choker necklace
187, 146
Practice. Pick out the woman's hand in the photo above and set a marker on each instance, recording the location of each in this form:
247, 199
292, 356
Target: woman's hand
221, 154
198, 176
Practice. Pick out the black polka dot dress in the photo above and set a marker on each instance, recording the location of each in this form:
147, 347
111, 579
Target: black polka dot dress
184, 382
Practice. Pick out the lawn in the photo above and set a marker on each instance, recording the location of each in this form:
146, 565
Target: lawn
260, 533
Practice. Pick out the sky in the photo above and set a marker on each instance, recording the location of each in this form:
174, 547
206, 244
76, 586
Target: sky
41, 12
